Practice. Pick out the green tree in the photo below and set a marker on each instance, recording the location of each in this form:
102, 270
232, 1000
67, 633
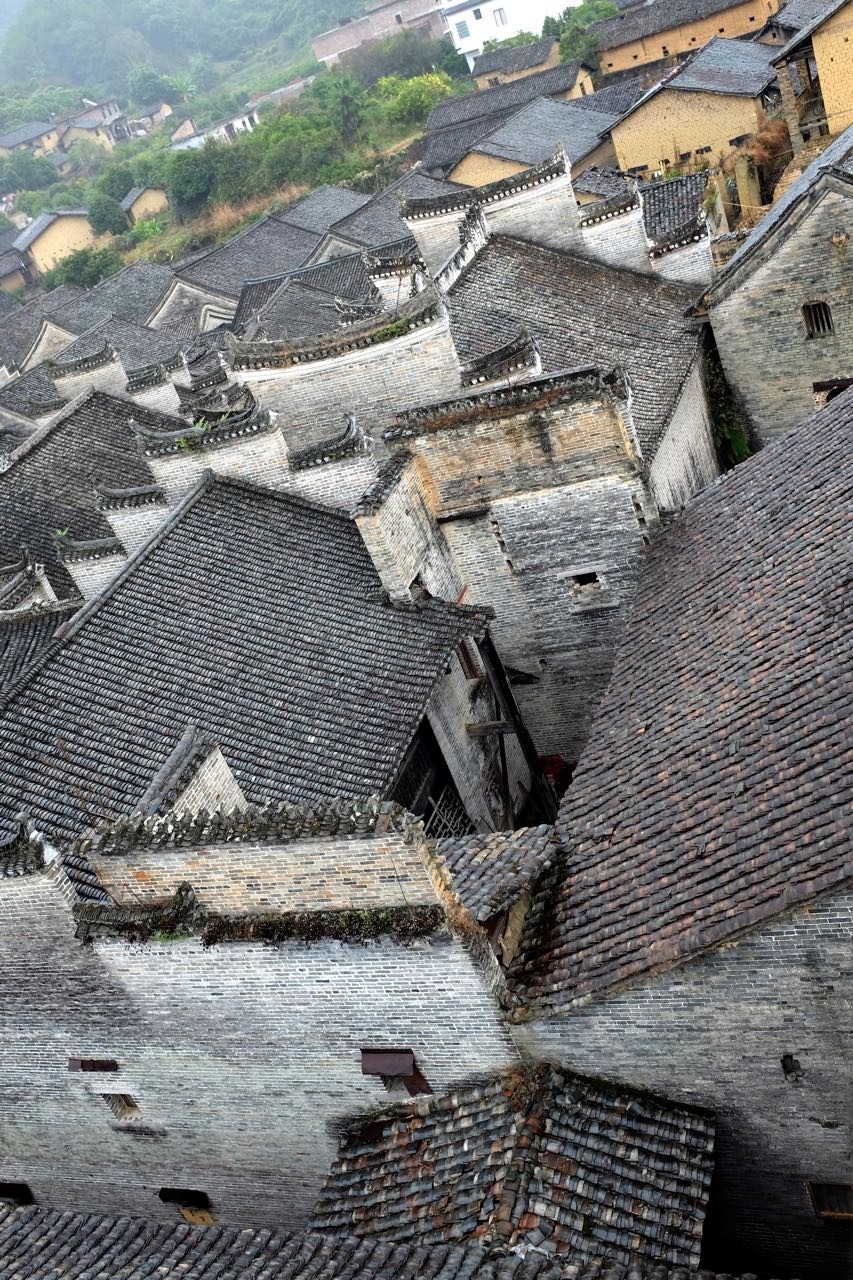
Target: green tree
572, 29
190, 176
106, 215
146, 86
116, 181
344, 99
86, 267
404, 100
513, 42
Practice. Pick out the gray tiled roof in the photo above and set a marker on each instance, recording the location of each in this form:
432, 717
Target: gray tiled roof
444, 148
600, 182
514, 58
47, 1244
532, 134
132, 196
23, 638
137, 346
808, 27
52, 483
614, 99
269, 246
32, 395
343, 277
490, 872
19, 329
838, 155
470, 106
797, 14
580, 312
537, 1158
732, 701
320, 696
379, 222
672, 205
322, 207
740, 67
649, 19
25, 133
32, 232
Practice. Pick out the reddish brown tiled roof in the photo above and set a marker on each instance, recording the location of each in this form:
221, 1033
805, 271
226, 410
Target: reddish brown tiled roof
712, 794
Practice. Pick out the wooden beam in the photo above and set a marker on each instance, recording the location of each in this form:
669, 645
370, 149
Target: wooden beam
485, 728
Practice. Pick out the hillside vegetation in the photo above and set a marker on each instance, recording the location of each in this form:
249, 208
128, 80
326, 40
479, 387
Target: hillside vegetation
96, 43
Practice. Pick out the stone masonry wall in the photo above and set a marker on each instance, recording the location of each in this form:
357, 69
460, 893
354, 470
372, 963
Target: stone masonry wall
373, 384
767, 356
135, 525
691, 264
91, 576
243, 1059
686, 460
714, 1032
261, 458
619, 241
335, 484
213, 787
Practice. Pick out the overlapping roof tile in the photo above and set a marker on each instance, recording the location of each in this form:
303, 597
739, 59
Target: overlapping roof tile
732, 704
649, 19
673, 205
490, 872
320, 696
471, 106
532, 134
580, 312
535, 1158
515, 58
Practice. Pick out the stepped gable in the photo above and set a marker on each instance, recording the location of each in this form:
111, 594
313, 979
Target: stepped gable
47, 1244
32, 395
20, 329
532, 134
321, 694
265, 248
323, 207
302, 304
51, 483
136, 346
732, 702
379, 222
537, 1158
580, 312
673, 208
491, 872
514, 59
26, 634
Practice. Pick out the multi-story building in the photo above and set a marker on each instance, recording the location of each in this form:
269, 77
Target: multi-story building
472, 25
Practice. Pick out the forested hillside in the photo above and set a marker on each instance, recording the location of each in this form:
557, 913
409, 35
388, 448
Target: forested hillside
94, 43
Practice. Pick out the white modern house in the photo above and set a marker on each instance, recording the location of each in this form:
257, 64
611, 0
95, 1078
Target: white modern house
472, 24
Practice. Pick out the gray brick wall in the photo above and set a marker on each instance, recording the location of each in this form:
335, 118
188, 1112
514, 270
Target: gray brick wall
91, 576
135, 525
242, 1058
686, 460
766, 354
714, 1032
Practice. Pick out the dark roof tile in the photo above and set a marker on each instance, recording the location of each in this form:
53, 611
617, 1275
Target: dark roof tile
673, 206
731, 702
490, 872
514, 58
471, 106
532, 134
649, 19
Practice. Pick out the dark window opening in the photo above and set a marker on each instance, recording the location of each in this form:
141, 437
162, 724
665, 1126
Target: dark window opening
395, 1068
16, 1193
791, 1067
92, 1064
832, 1200
586, 581
122, 1105
398, 18
425, 787
817, 318
183, 1196
478, 13
494, 81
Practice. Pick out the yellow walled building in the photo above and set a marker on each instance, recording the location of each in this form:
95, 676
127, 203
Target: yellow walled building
52, 237
37, 137
664, 29
704, 112
144, 202
815, 72
502, 66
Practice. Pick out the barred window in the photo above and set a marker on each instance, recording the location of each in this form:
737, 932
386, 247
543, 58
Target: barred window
817, 317
831, 1200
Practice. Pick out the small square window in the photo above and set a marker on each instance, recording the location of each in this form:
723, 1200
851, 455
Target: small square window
16, 1193
398, 18
832, 1200
463, 30
817, 318
193, 1206
585, 585
494, 82
395, 1068
122, 1105
478, 13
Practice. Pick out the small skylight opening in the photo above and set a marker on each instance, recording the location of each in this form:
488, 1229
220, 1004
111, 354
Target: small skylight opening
122, 1105
16, 1193
184, 1196
585, 584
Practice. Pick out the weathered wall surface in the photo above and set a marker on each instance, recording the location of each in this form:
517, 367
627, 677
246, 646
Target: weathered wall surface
242, 1058
374, 384
673, 123
740, 19
831, 44
686, 460
61, 238
261, 458
619, 240
766, 353
92, 575
714, 1032
690, 264
134, 525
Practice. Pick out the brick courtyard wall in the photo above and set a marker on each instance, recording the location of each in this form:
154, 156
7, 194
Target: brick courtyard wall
686, 460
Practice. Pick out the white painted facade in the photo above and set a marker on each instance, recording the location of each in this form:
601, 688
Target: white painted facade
472, 25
